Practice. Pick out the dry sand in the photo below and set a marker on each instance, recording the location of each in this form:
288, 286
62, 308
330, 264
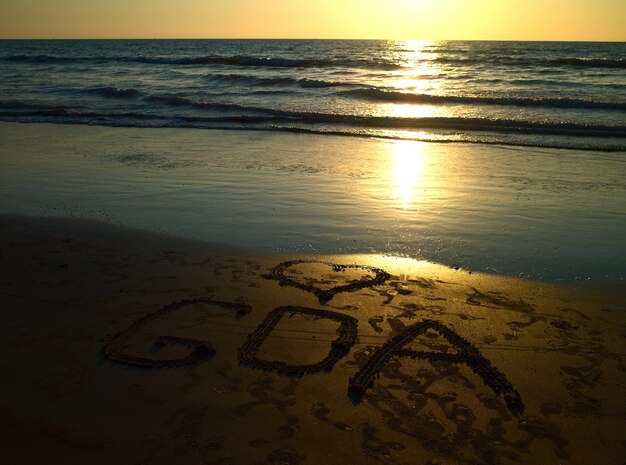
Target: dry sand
128, 347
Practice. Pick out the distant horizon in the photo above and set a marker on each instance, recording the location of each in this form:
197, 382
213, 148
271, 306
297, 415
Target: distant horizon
312, 38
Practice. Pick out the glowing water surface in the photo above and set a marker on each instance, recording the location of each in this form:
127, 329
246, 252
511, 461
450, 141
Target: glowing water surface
554, 215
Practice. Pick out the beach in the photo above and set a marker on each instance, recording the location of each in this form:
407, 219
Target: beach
91, 376
294, 252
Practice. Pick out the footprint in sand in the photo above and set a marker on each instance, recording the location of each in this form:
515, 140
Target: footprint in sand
321, 411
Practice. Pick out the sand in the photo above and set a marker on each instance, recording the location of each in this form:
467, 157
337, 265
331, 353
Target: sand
124, 346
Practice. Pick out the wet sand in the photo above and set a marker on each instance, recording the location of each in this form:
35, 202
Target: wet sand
538, 214
123, 346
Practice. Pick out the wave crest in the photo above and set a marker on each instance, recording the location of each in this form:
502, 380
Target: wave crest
406, 97
118, 92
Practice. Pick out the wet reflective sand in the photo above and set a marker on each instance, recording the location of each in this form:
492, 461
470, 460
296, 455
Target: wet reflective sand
551, 215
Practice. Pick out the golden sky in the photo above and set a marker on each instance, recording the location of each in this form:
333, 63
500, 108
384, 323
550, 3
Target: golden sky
356, 19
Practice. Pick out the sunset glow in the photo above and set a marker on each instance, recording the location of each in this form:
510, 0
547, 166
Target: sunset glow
354, 19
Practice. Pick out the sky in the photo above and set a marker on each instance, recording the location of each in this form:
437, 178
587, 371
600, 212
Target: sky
350, 19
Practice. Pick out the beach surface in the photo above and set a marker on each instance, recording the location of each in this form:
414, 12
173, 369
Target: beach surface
126, 346
425, 265
551, 215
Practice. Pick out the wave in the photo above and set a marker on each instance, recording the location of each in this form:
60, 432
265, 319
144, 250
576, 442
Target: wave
561, 83
118, 92
259, 123
457, 123
20, 105
251, 80
282, 62
318, 83
177, 101
275, 81
216, 115
273, 62
591, 62
40, 59
241, 61
241, 113
235, 61
512, 61
541, 82
405, 97
439, 140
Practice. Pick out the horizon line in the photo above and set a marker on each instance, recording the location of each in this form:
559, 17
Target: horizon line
312, 38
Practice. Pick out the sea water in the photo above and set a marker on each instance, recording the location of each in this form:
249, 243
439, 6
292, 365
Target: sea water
526, 175
545, 94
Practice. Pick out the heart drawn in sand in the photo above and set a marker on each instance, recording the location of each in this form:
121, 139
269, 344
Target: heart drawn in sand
325, 295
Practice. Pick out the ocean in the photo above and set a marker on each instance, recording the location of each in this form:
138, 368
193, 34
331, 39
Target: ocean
502, 157
535, 94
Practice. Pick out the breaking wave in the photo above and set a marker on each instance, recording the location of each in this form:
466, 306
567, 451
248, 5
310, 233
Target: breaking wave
406, 97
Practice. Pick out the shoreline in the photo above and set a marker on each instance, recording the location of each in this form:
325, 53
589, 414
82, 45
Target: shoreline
362, 136
422, 200
98, 228
103, 320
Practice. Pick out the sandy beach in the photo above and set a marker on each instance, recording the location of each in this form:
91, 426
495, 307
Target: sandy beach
313, 233
125, 346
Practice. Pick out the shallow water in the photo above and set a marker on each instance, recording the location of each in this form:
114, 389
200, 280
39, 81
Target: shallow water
556, 215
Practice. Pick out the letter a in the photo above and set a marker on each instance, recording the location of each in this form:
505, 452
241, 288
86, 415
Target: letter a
466, 353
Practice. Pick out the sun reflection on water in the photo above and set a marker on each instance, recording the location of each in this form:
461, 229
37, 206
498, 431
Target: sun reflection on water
409, 164
418, 77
